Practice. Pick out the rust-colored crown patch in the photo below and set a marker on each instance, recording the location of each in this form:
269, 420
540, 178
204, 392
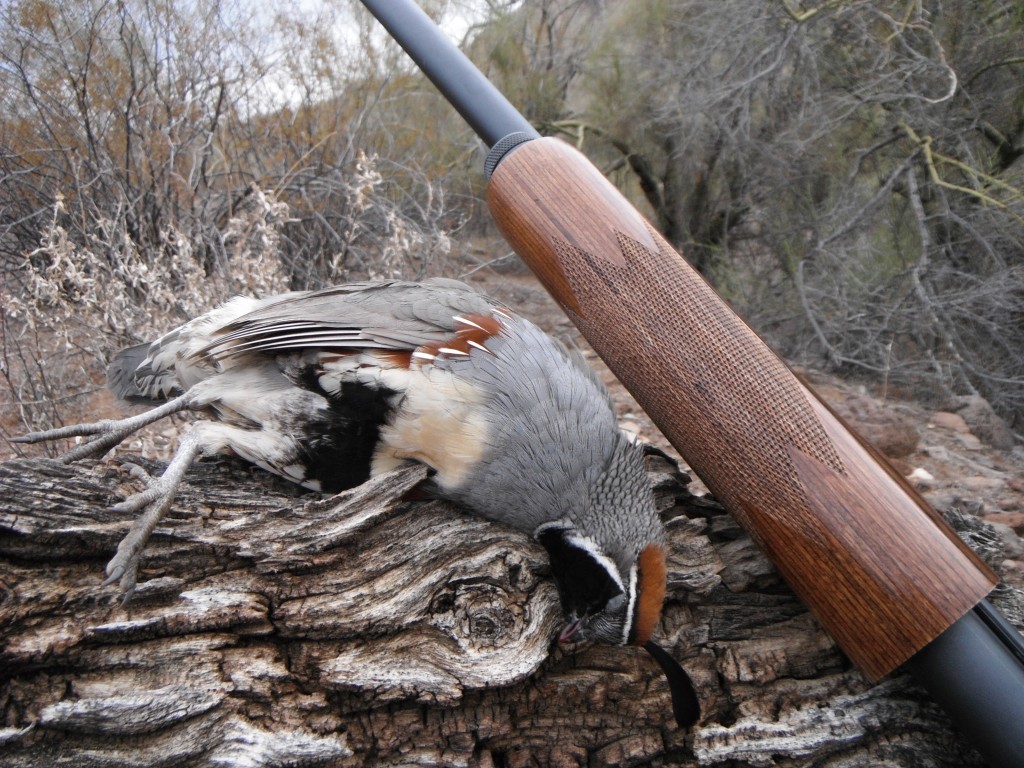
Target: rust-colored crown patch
651, 578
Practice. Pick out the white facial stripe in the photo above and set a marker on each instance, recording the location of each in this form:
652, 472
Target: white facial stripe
550, 524
588, 546
630, 606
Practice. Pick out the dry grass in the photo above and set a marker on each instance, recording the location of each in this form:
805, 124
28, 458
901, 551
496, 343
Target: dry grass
86, 291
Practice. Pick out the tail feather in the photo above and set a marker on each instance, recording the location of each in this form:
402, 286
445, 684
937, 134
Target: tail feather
132, 377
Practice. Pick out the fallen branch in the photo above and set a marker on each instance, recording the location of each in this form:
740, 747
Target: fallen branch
272, 628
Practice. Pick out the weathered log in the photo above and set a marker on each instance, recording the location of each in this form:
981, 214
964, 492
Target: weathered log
276, 628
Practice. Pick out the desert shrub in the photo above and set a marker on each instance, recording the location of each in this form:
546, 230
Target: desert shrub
149, 171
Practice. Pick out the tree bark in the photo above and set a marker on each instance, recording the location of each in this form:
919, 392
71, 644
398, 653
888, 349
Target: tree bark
276, 628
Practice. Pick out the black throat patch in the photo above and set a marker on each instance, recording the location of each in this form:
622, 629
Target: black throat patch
584, 585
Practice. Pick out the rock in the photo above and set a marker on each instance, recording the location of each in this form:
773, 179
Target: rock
631, 430
979, 484
890, 432
902, 466
895, 439
941, 499
985, 422
969, 441
1013, 520
951, 421
921, 477
1012, 543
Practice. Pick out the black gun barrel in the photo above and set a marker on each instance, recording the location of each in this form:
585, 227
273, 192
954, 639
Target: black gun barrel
491, 116
975, 671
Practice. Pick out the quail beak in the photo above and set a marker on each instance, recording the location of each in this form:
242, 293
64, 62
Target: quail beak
570, 631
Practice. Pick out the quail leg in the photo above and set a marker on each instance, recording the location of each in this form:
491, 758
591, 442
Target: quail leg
109, 432
154, 503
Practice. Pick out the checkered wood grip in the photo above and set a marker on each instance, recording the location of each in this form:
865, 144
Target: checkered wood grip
868, 556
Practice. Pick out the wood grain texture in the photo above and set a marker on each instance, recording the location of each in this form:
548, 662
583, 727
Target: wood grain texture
279, 629
863, 551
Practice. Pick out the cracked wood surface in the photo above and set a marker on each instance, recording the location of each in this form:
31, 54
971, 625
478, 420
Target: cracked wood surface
273, 627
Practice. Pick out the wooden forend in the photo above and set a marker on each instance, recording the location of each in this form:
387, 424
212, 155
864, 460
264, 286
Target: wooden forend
882, 572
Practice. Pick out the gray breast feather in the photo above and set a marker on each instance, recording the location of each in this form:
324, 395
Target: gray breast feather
553, 429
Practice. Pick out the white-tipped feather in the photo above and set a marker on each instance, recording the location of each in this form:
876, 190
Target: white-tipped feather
467, 321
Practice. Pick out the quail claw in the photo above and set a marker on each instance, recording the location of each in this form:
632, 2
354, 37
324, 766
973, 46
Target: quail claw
114, 573
123, 568
153, 502
137, 472
127, 579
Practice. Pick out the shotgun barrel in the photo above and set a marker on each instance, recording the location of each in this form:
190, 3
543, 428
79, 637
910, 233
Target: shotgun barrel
882, 572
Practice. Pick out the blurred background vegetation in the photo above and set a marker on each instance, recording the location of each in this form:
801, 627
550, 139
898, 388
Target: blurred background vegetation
848, 173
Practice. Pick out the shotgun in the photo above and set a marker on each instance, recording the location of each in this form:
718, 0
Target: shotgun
882, 572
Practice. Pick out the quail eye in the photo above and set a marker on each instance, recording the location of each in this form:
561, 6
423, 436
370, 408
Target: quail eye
615, 603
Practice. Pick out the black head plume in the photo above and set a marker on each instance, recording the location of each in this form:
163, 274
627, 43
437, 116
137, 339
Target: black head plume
685, 705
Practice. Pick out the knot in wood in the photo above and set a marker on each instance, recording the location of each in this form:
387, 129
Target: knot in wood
481, 614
